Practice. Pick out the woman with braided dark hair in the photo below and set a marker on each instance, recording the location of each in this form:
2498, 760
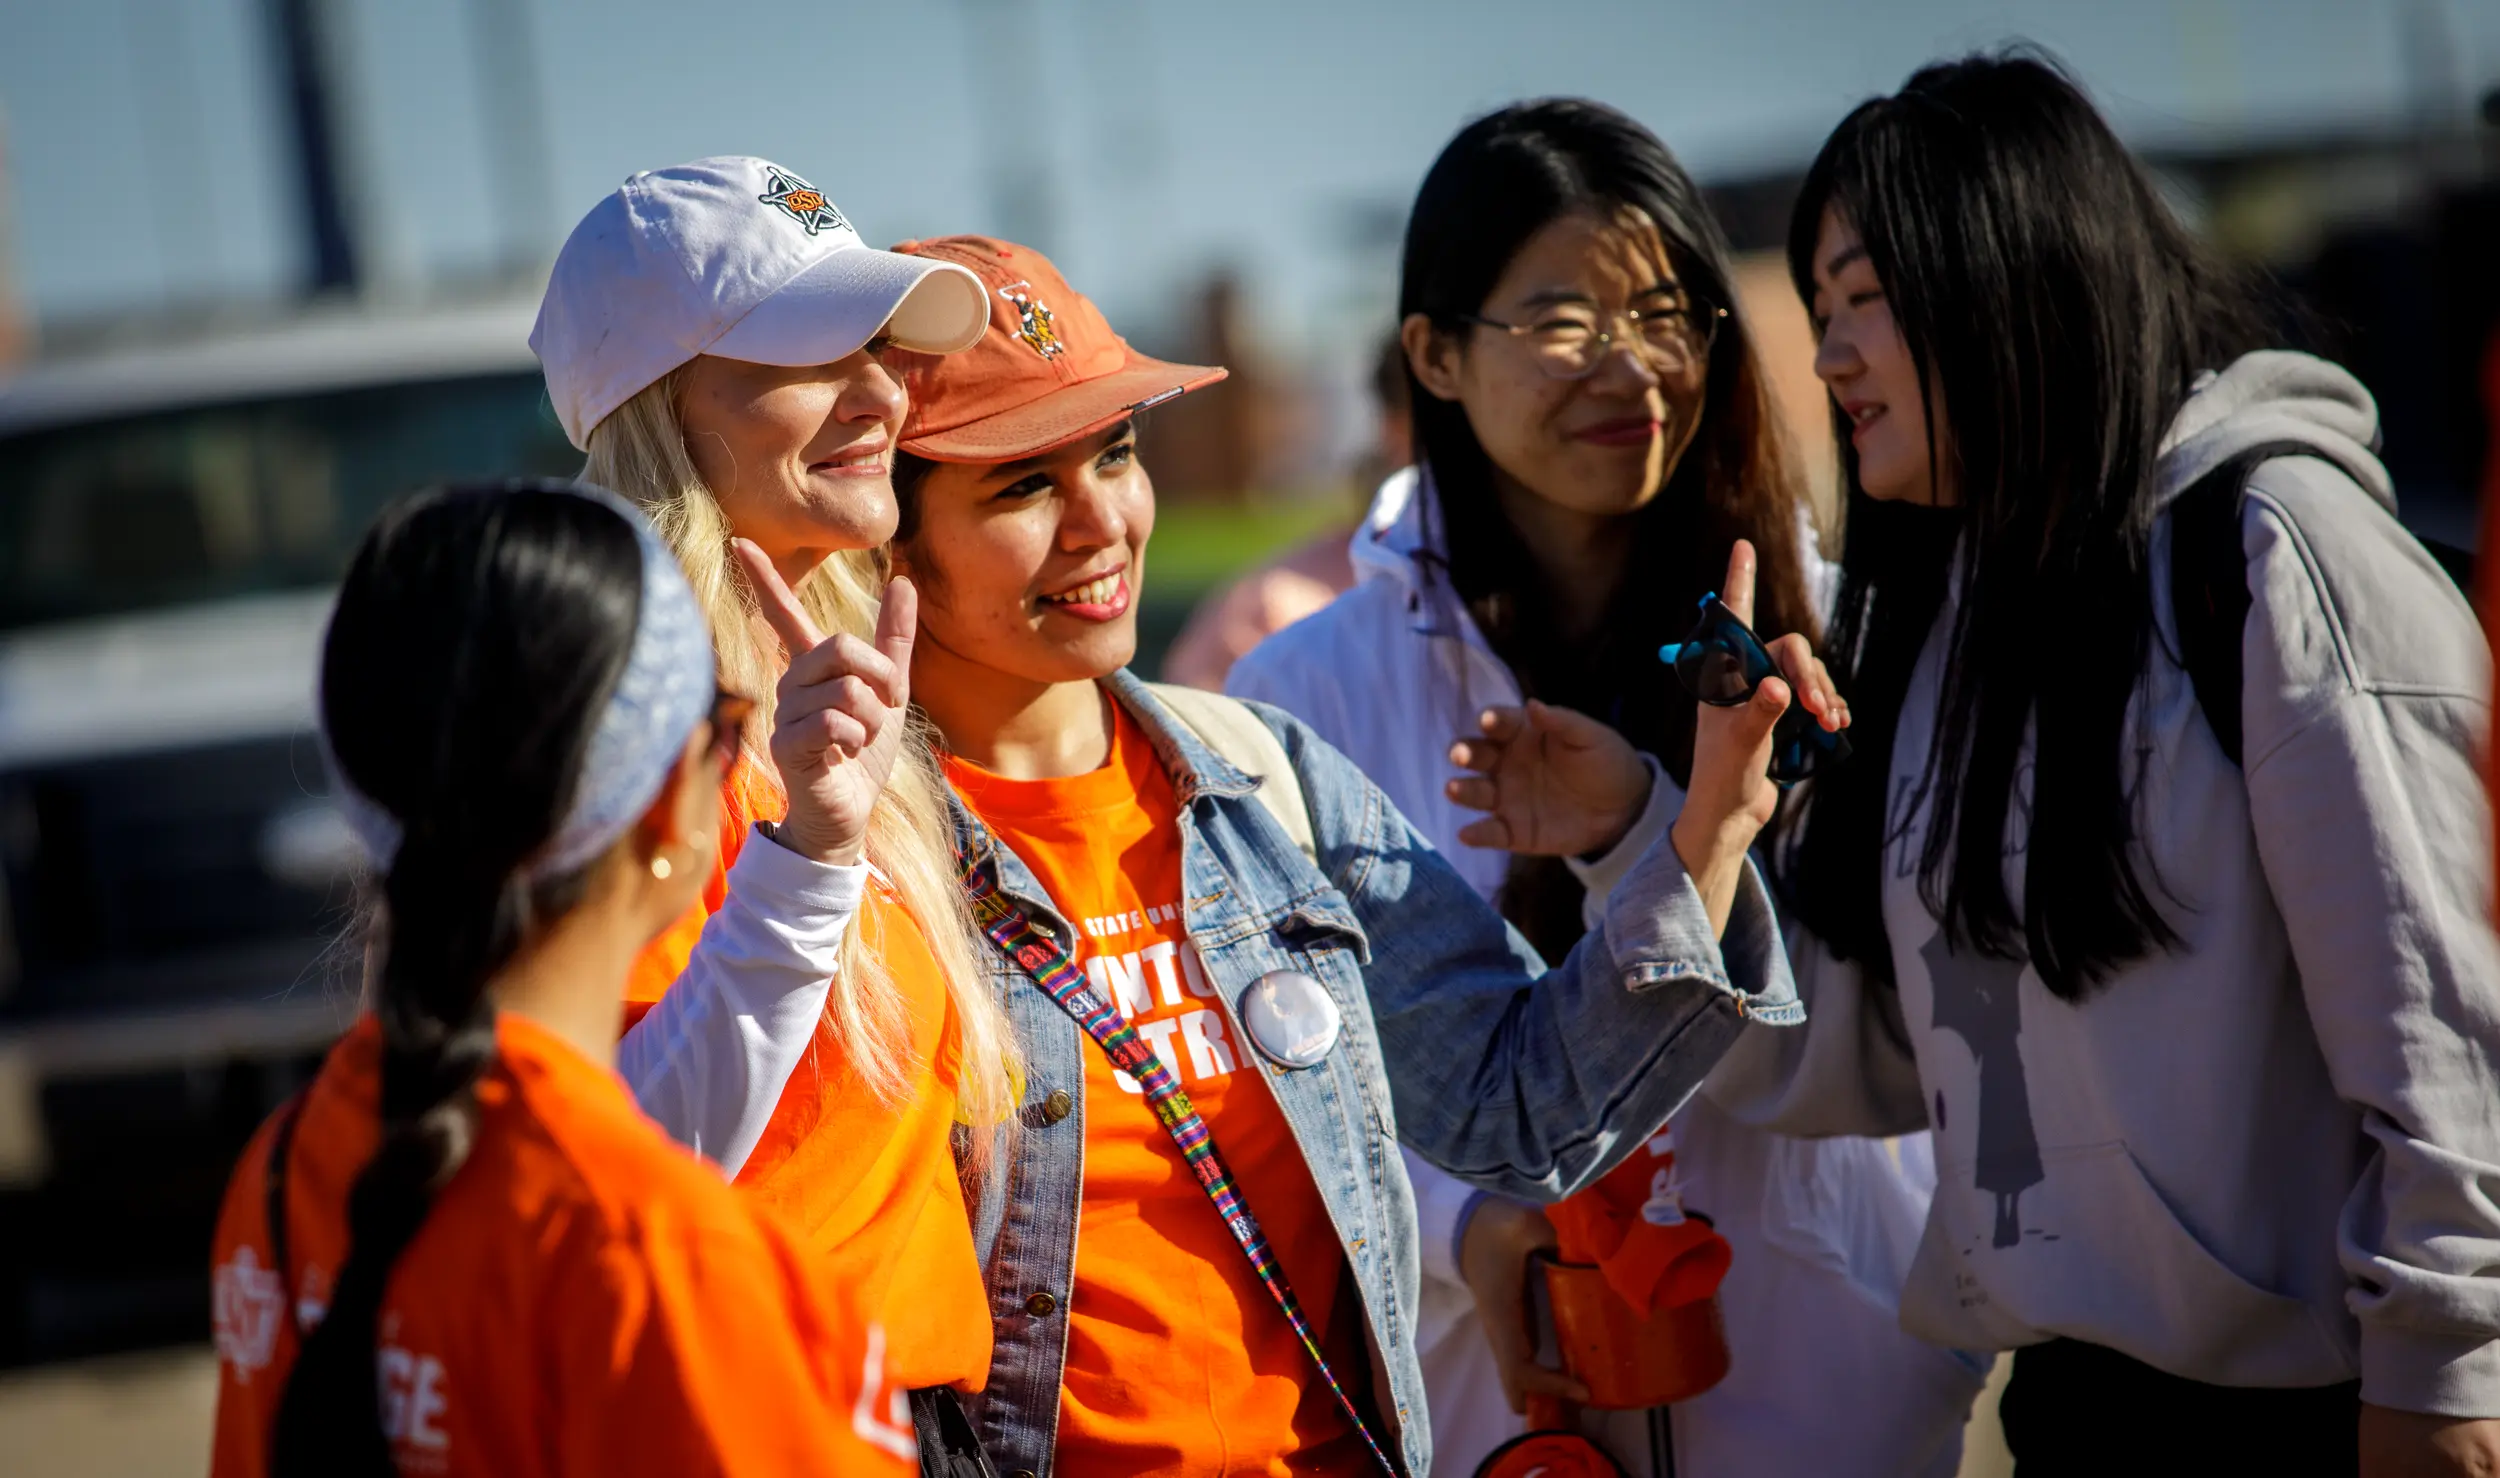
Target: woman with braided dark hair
463, 1249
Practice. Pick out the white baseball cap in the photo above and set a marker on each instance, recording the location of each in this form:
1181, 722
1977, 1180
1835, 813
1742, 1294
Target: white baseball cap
731, 256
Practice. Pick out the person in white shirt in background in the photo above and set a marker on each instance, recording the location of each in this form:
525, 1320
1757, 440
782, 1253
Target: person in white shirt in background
1271, 596
1593, 433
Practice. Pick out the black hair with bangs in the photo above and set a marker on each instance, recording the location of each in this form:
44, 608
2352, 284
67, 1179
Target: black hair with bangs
2058, 313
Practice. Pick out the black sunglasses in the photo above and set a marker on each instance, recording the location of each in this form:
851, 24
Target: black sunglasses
1722, 663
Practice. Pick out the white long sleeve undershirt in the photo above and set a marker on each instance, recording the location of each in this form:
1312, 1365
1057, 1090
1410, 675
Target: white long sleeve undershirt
709, 1060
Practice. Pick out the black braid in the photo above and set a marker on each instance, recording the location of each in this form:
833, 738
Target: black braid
476, 639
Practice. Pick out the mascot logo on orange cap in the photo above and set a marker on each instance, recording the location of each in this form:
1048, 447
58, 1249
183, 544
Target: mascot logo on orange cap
1034, 323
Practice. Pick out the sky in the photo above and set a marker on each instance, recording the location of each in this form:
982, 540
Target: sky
1140, 144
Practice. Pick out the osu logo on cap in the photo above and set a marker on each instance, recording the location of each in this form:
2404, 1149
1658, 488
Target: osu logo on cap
800, 201
1034, 323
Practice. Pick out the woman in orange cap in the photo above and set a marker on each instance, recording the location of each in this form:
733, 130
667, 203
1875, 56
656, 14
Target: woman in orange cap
1239, 977
462, 1250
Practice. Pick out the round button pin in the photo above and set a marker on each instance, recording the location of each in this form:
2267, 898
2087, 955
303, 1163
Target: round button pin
1291, 1018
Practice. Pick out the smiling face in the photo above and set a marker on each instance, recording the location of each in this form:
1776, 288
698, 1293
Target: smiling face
1600, 446
1030, 569
800, 459
1862, 359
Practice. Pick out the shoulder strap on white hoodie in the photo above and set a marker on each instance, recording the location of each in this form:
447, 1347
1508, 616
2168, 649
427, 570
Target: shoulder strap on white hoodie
1227, 726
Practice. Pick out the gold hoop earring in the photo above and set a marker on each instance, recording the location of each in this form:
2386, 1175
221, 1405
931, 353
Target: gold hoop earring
660, 868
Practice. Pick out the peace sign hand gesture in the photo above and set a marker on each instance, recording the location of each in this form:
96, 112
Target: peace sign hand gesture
840, 712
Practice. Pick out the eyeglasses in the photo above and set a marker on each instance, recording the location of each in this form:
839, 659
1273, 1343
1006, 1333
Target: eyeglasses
729, 717
1723, 662
1570, 343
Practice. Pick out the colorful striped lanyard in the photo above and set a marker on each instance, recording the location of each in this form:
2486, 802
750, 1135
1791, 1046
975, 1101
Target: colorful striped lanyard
1039, 956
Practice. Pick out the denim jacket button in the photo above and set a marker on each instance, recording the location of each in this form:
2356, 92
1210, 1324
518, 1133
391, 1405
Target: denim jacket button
1291, 1018
1057, 1106
1040, 1305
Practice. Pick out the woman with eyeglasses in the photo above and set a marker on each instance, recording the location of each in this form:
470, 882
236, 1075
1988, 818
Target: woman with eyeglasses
462, 1249
2159, 881
1594, 434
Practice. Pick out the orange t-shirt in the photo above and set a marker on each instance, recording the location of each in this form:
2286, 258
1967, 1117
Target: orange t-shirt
1178, 1359
583, 1297
870, 1186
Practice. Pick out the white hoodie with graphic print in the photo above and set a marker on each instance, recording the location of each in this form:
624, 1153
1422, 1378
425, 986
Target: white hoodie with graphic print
2269, 1157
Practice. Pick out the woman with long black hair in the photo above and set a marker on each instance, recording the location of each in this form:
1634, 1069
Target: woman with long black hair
2159, 881
1594, 432
463, 1249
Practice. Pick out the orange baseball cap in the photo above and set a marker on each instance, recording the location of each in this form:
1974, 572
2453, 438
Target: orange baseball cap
1047, 371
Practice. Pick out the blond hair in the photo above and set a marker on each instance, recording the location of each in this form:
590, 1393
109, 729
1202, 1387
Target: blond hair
639, 450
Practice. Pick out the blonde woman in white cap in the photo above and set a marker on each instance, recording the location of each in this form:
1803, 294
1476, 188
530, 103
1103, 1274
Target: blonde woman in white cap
711, 337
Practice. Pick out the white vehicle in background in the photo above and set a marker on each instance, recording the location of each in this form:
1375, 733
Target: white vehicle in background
173, 520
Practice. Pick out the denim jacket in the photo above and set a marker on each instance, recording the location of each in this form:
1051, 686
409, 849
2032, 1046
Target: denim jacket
1457, 1040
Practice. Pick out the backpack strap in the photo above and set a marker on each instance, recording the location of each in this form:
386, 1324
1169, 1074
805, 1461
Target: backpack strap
2209, 580
2209, 585
1227, 726
273, 1186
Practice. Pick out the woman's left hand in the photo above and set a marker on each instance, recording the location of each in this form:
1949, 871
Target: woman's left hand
1552, 782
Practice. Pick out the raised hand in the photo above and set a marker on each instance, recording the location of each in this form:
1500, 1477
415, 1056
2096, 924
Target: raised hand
1552, 781
839, 715
1731, 797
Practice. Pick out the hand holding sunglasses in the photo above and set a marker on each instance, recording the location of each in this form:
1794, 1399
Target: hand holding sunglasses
1722, 663
1746, 690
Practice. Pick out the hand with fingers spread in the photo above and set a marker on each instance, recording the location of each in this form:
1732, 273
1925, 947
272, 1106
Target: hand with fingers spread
839, 716
1556, 782
1551, 781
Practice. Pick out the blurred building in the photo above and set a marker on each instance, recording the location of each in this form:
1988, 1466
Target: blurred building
1257, 432
17, 327
173, 875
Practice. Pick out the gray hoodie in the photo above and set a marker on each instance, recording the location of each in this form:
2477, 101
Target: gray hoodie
2272, 1157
